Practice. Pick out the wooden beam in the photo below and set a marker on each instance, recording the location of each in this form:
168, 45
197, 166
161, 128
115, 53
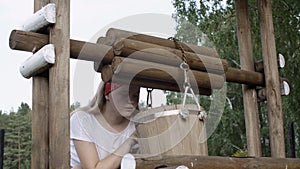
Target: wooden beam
127, 67
107, 75
38, 62
32, 42
29, 41
244, 77
40, 19
272, 79
170, 56
213, 162
249, 93
59, 89
40, 114
114, 35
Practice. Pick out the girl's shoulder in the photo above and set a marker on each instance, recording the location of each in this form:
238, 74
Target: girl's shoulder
81, 116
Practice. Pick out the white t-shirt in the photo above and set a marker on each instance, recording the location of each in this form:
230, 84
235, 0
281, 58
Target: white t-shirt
84, 126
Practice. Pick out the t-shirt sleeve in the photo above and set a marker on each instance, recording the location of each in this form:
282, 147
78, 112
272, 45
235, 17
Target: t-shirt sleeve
77, 130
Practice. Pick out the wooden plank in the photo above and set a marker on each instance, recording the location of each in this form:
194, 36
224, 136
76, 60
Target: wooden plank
59, 113
213, 162
272, 79
40, 133
249, 93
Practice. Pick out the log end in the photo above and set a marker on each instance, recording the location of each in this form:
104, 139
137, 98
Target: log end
12, 39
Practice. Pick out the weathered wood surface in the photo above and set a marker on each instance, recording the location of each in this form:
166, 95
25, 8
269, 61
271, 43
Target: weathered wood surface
245, 77
114, 35
40, 132
32, 42
155, 84
249, 93
170, 134
127, 67
59, 89
170, 56
213, 162
28, 41
40, 114
271, 79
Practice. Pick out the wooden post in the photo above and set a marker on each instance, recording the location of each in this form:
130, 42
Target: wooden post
59, 113
272, 79
249, 93
40, 133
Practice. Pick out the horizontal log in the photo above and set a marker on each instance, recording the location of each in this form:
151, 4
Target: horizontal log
214, 162
165, 55
115, 35
39, 62
41, 19
32, 42
284, 90
107, 75
259, 66
245, 77
128, 67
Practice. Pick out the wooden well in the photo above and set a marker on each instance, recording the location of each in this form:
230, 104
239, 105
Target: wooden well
162, 131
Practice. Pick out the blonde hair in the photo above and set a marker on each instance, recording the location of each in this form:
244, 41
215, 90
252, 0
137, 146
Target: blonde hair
96, 104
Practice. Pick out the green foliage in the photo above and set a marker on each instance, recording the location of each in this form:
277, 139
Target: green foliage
74, 106
17, 145
240, 153
213, 24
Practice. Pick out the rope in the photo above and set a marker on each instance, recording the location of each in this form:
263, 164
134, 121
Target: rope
184, 113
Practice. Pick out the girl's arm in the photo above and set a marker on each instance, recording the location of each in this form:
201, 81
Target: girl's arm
89, 158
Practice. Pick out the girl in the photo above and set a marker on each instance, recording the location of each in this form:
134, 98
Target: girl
101, 132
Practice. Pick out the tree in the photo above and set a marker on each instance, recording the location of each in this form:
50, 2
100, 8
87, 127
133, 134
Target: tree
213, 24
18, 138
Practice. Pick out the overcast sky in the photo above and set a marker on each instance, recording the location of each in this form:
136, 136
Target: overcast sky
89, 18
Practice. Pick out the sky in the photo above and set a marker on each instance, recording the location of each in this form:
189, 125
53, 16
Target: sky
89, 19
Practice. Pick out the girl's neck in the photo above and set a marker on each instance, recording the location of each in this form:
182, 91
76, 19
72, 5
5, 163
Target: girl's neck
115, 121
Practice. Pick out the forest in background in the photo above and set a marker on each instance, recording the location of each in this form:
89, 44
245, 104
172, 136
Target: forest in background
212, 23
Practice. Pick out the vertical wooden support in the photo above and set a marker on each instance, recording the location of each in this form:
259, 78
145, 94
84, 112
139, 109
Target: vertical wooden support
40, 94
249, 93
59, 115
271, 79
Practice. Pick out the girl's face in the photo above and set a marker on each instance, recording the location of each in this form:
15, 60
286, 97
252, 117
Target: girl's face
125, 100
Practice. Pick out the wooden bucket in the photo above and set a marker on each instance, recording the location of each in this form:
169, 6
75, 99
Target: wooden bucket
162, 131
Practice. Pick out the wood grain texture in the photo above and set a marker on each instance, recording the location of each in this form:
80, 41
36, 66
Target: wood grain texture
271, 79
249, 93
59, 113
40, 113
213, 162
